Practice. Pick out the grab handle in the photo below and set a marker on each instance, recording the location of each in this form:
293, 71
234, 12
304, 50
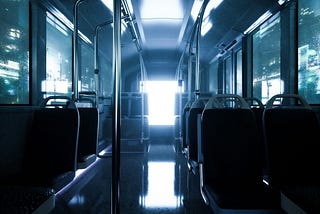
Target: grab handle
227, 101
69, 102
250, 101
270, 103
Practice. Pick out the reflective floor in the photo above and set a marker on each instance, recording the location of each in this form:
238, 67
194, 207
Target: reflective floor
156, 181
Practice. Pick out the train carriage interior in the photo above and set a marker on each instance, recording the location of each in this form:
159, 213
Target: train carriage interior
159, 106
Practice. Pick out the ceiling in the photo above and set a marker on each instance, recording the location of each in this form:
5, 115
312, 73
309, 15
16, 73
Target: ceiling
164, 28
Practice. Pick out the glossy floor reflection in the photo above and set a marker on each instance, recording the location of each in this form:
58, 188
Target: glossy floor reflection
156, 181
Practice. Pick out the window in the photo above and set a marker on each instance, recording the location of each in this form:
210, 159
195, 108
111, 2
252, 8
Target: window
59, 59
229, 77
309, 50
161, 95
266, 60
86, 68
213, 77
239, 71
14, 52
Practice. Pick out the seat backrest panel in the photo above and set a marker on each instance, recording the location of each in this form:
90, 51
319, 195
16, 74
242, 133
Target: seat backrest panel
231, 146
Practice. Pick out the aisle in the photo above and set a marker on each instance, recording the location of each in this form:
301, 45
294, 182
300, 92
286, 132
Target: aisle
154, 182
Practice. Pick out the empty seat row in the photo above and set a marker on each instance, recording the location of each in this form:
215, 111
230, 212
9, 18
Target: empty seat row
133, 104
232, 169
39, 154
192, 135
291, 131
88, 126
39, 147
254, 158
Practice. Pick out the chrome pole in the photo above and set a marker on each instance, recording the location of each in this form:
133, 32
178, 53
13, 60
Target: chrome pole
116, 67
190, 59
198, 35
142, 70
75, 56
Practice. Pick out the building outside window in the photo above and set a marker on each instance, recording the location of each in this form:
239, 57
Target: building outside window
266, 60
14, 52
58, 59
309, 50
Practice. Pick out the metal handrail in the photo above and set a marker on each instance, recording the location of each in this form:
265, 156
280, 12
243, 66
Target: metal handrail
75, 50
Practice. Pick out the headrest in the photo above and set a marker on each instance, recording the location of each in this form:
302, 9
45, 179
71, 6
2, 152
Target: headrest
226, 101
200, 102
58, 102
254, 102
287, 101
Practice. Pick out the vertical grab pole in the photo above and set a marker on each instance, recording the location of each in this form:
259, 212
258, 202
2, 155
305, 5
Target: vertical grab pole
190, 59
197, 86
116, 67
75, 51
142, 96
189, 75
198, 35
95, 64
197, 71
180, 76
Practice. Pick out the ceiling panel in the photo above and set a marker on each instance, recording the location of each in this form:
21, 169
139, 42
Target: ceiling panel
164, 32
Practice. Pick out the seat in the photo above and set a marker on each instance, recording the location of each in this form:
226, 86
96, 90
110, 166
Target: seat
16, 194
257, 107
291, 130
184, 127
52, 146
231, 171
192, 133
88, 131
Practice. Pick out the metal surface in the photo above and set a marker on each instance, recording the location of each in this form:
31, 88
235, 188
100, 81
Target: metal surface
75, 50
198, 35
116, 67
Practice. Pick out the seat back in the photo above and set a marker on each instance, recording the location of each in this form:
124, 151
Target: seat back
184, 127
258, 108
291, 131
88, 131
192, 139
15, 128
53, 144
230, 143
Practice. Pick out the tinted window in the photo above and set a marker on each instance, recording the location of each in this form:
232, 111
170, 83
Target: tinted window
14, 52
308, 50
266, 60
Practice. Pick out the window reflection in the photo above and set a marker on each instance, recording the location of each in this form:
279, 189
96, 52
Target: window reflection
266, 60
86, 68
229, 77
239, 71
308, 50
161, 186
14, 52
58, 59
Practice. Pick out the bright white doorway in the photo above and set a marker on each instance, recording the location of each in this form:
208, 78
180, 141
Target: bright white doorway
161, 96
